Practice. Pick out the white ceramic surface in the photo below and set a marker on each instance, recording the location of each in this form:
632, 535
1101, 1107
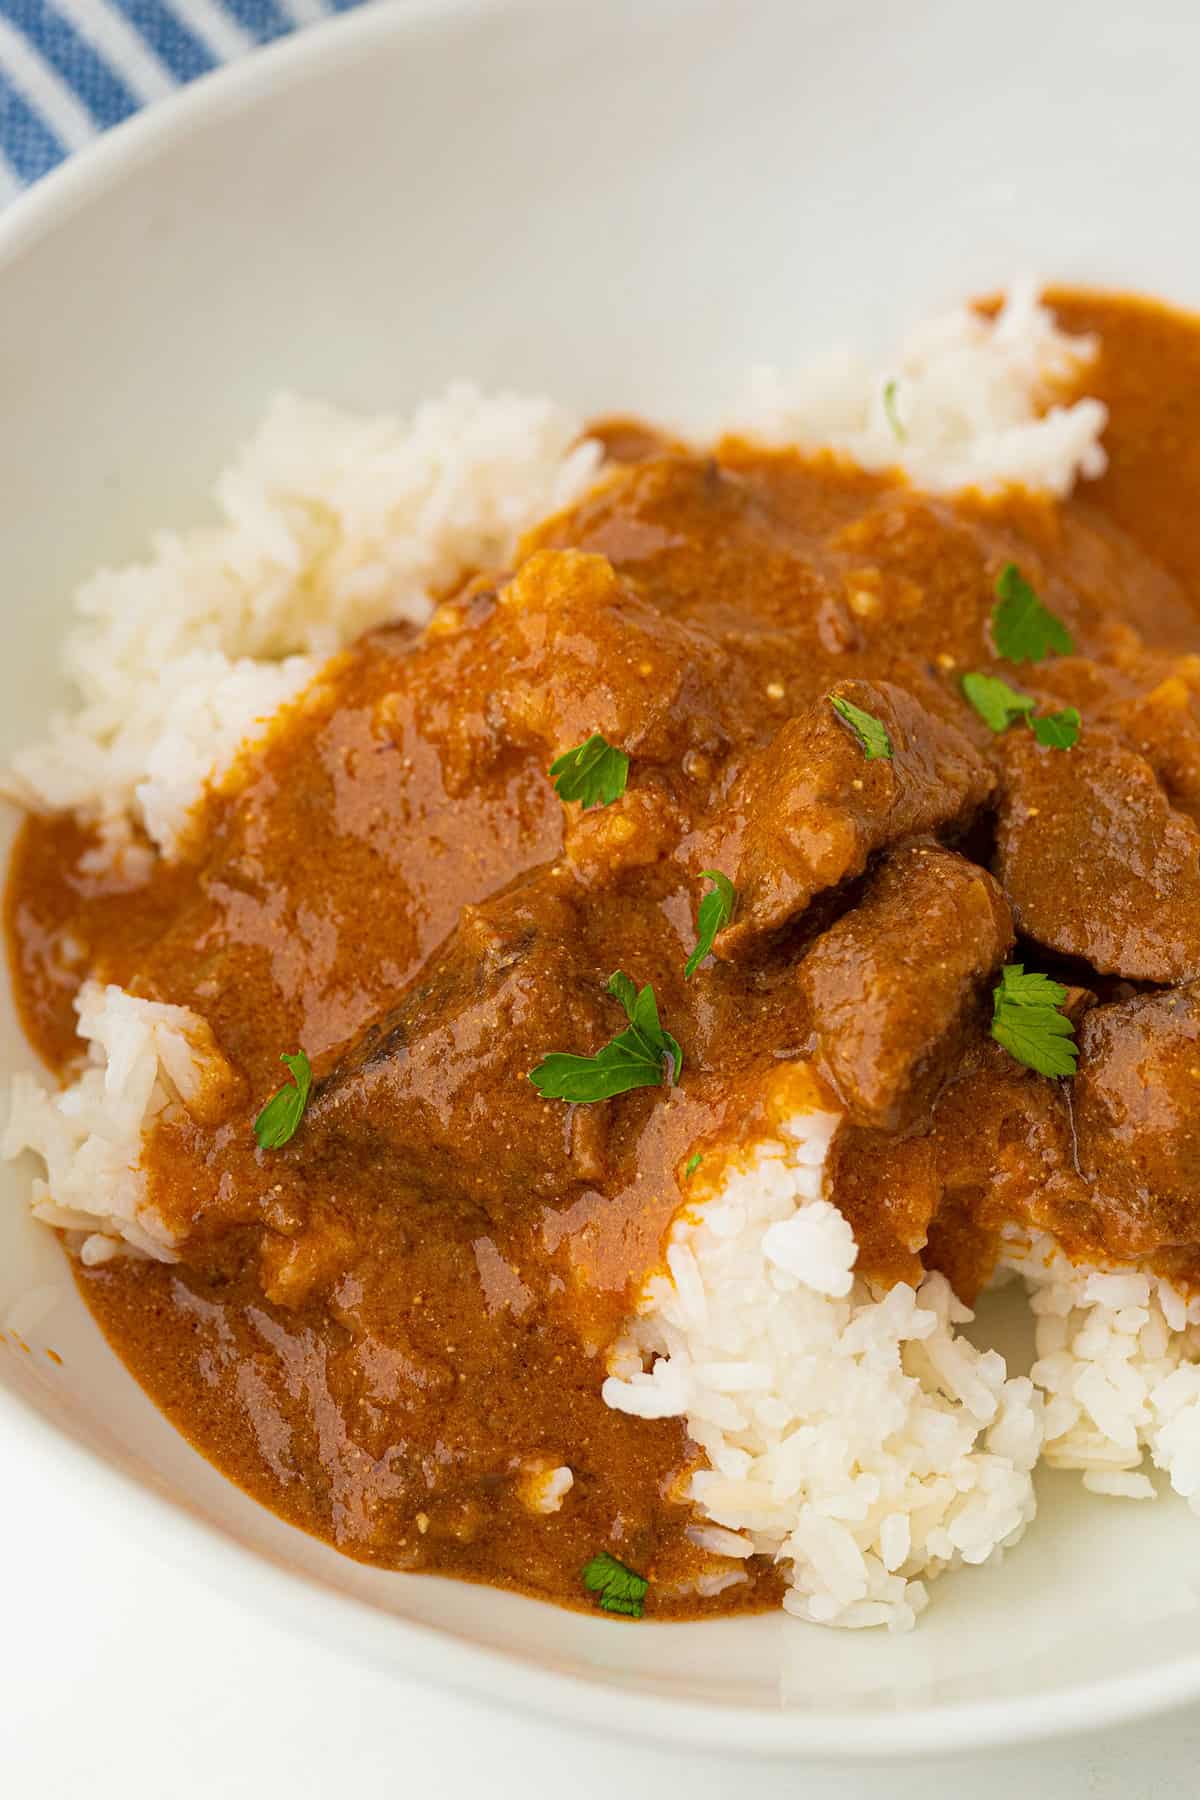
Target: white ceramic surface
625, 205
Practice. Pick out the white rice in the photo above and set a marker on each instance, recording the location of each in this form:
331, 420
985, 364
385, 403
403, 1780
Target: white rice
542, 1486
142, 1057
1118, 1359
966, 402
852, 1437
330, 524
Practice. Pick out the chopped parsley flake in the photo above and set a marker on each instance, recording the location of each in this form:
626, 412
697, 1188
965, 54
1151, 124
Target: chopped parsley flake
893, 412
692, 1164
281, 1116
997, 704
1023, 630
594, 773
871, 734
643, 1056
620, 1590
1057, 731
1000, 706
715, 910
1027, 1023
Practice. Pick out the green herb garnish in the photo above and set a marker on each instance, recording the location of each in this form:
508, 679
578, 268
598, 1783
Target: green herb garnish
997, 704
1023, 630
1027, 1022
280, 1117
871, 734
1000, 706
893, 415
692, 1164
1057, 731
643, 1056
621, 1590
594, 773
715, 910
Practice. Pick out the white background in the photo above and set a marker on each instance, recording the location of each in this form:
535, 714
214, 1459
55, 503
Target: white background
121, 1677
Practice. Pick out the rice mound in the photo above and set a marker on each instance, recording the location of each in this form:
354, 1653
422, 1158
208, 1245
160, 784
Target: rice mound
331, 523
1118, 1359
854, 1438
968, 402
142, 1057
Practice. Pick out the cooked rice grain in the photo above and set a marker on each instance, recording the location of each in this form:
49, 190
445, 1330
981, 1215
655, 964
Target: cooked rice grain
142, 1057
1118, 1359
967, 402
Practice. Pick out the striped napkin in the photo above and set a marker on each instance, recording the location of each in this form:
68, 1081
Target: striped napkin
71, 68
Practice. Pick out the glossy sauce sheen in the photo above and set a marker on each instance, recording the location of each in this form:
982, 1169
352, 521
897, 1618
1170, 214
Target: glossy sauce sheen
386, 1329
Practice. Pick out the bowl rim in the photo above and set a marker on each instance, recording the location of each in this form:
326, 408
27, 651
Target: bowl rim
386, 1641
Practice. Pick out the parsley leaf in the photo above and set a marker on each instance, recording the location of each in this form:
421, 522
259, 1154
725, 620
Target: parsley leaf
1024, 987
1000, 706
997, 704
893, 412
280, 1117
871, 734
641, 1009
692, 1164
643, 1056
1027, 1023
594, 773
716, 909
1057, 731
1023, 630
621, 1590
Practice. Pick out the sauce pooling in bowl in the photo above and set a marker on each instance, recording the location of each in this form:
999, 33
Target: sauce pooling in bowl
393, 1329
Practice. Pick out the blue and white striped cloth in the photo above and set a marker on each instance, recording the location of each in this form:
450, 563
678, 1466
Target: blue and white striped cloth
71, 68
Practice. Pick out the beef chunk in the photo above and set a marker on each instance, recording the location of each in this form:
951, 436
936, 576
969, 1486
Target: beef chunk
586, 652
1164, 725
1137, 1113
888, 1188
1005, 1151
1095, 861
808, 811
435, 1096
895, 984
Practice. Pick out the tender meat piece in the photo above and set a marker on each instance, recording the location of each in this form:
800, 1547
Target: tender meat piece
888, 1189
1164, 725
1079, 1000
588, 653
436, 1097
1095, 861
808, 811
642, 827
894, 986
962, 1246
1005, 1153
725, 538
1137, 1115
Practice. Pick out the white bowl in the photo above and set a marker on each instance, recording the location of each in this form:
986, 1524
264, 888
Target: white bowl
624, 205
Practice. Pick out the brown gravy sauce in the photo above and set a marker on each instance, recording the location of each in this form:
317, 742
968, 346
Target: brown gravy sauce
386, 1352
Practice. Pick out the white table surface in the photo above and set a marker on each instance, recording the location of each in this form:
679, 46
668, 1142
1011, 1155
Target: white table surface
122, 1677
